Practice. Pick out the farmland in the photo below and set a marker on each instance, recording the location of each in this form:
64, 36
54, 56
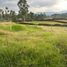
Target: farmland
32, 45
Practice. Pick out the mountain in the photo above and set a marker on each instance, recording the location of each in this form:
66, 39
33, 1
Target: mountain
51, 13
59, 16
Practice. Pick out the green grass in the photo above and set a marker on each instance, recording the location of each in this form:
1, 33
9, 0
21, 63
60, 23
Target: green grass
32, 46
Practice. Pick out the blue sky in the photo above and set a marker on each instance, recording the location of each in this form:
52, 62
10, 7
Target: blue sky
38, 5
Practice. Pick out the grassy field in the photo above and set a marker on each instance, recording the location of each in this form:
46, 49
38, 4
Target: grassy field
32, 46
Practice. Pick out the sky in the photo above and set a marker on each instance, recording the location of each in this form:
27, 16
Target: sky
38, 5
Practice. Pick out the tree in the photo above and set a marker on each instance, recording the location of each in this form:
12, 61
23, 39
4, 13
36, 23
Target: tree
31, 16
23, 9
1, 14
40, 16
7, 13
12, 15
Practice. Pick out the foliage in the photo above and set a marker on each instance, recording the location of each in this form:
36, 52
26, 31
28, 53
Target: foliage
23, 6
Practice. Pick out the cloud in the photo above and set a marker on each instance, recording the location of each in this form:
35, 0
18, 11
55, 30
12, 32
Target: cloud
42, 3
47, 5
37, 5
11, 4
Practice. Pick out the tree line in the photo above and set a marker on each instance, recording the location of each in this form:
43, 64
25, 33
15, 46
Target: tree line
7, 15
22, 15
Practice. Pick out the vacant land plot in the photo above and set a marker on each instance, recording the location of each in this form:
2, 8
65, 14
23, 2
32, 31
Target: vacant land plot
32, 46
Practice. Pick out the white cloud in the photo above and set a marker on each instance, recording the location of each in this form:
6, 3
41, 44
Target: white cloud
38, 5
42, 3
49, 6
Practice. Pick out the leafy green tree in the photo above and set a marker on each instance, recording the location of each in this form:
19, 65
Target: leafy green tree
23, 6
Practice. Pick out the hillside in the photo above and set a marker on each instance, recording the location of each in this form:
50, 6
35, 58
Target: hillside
32, 46
60, 16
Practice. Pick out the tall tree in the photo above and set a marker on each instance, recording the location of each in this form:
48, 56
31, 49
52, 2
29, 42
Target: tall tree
23, 9
12, 15
6, 13
1, 14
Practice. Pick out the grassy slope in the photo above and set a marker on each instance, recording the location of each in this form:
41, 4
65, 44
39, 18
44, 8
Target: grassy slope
32, 46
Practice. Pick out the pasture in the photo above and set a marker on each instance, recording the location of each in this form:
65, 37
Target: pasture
32, 45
